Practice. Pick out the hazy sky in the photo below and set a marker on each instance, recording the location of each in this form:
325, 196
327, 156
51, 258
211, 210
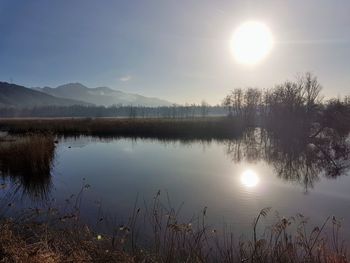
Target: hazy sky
176, 50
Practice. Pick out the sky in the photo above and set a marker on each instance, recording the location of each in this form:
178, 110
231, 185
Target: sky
177, 50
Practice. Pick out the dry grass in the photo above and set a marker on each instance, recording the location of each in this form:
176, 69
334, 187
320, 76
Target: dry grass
28, 161
156, 233
199, 128
174, 240
35, 243
32, 154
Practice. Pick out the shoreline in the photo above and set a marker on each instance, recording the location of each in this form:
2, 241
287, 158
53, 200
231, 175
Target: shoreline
197, 128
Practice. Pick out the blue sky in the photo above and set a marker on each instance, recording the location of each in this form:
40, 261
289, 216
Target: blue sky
176, 50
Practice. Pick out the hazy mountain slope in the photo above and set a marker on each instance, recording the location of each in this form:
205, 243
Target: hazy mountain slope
19, 96
102, 95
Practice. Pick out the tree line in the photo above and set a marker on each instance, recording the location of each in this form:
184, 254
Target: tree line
175, 111
291, 106
283, 108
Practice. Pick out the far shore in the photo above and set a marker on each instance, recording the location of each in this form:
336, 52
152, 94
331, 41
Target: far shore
162, 128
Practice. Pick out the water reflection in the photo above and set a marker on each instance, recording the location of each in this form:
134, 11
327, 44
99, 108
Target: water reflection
297, 159
27, 162
249, 178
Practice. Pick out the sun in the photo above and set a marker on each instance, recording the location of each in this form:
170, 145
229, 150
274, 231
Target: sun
251, 42
249, 178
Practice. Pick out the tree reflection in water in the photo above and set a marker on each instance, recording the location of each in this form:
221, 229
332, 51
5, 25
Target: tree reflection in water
302, 159
26, 162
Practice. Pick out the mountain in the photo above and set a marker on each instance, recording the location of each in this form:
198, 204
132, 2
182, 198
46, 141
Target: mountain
102, 96
19, 96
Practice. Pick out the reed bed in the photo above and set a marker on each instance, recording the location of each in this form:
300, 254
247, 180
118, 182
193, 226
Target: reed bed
199, 128
32, 154
27, 161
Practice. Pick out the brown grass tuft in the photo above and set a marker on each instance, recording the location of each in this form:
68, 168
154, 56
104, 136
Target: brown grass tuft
36, 243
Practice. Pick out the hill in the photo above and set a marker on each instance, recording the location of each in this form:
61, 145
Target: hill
18, 96
102, 96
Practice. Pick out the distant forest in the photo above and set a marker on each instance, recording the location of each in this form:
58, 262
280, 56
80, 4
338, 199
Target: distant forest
284, 104
187, 111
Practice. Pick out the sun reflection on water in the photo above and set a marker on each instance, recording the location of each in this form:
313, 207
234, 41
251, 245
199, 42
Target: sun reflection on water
249, 178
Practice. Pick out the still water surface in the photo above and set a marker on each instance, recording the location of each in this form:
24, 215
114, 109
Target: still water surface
234, 180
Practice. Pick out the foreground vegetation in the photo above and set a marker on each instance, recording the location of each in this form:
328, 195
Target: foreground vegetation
158, 234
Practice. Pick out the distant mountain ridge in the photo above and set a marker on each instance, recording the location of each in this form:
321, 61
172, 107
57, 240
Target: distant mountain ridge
102, 96
12, 95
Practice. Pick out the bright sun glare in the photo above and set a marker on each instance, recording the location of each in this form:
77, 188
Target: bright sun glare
251, 42
249, 178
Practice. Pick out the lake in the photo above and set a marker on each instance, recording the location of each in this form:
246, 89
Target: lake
233, 179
